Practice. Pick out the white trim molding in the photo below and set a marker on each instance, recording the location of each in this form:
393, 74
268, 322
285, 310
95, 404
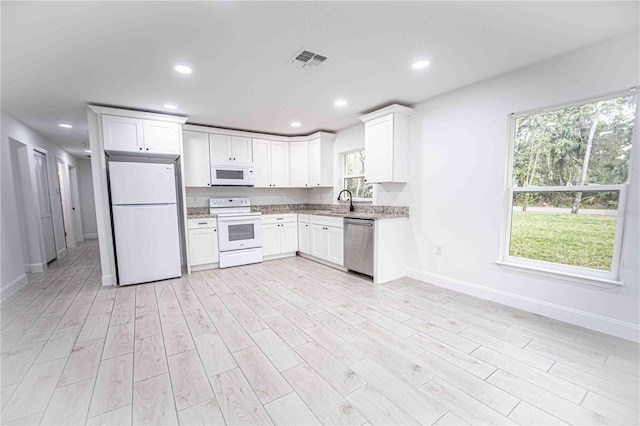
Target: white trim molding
37, 267
62, 253
92, 236
108, 279
13, 287
612, 326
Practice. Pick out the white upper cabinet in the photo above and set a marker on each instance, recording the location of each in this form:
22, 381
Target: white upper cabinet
311, 162
386, 140
299, 164
271, 163
196, 159
134, 135
226, 148
122, 134
161, 137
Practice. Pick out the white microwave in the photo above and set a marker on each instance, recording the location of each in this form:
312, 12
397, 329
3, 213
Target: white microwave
225, 174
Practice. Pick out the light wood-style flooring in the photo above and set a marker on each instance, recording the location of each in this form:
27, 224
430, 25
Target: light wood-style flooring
294, 342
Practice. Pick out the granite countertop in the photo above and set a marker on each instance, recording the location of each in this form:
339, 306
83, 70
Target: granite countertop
362, 212
355, 215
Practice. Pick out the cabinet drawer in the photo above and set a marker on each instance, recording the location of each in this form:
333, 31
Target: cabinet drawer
303, 218
279, 218
336, 222
211, 222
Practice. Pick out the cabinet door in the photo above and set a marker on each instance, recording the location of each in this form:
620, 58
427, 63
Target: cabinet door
122, 134
161, 137
196, 159
220, 148
378, 162
315, 160
241, 149
261, 163
279, 164
289, 237
304, 236
203, 246
318, 241
270, 239
335, 245
299, 164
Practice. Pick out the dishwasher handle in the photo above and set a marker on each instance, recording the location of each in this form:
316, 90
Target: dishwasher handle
361, 222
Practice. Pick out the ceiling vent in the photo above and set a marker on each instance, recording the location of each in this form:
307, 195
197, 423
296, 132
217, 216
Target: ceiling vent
307, 59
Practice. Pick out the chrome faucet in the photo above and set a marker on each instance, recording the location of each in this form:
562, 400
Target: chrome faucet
350, 198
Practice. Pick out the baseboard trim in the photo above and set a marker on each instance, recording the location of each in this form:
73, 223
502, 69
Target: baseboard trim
37, 267
612, 326
107, 280
62, 253
14, 286
204, 267
90, 236
280, 256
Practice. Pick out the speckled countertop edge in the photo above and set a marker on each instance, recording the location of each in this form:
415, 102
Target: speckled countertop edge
333, 210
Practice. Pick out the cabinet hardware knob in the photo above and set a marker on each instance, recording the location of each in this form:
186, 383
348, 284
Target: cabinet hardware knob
140, 149
234, 158
147, 149
229, 158
215, 230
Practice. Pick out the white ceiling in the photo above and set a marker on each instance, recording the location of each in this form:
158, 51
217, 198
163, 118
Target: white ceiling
59, 56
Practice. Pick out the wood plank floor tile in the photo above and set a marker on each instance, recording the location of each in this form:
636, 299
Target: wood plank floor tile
461, 404
279, 353
378, 409
342, 350
198, 321
450, 419
238, 403
83, 363
150, 359
214, 354
291, 410
60, 344
527, 414
119, 341
34, 391
114, 385
204, 414
188, 380
415, 403
539, 378
95, 327
119, 417
69, 404
620, 413
17, 362
153, 402
327, 405
177, 337
147, 324
263, 377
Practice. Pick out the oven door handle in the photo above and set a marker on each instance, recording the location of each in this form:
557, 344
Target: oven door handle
246, 220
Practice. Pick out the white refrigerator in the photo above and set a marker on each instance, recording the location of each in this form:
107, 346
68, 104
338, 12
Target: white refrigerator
145, 221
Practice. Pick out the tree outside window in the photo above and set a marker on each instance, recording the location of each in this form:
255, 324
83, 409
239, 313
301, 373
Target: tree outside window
570, 170
354, 176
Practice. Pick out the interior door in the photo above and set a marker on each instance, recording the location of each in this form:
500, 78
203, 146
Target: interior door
44, 203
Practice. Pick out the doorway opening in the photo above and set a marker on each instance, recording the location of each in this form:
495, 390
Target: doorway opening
44, 204
65, 203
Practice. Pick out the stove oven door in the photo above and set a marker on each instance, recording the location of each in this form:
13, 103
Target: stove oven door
237, 231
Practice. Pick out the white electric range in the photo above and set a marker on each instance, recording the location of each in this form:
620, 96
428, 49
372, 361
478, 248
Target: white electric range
239, 231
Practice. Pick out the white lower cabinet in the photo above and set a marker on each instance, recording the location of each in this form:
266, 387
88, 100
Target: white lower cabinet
203, 242
327, 238
304, 234
279, 235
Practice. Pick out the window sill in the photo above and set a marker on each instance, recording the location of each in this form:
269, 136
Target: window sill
558, 275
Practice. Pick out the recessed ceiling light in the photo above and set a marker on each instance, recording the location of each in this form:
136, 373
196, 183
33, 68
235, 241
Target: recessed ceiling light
295, 124
170, 106
65, 125
183, 69
422, 63
340, 102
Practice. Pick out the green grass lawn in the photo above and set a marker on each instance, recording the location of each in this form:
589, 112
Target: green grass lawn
579, 240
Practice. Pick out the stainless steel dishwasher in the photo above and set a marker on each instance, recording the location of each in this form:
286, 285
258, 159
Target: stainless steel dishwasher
358, 245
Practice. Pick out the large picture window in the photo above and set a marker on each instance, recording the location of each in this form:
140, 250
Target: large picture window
354, 176
569, 172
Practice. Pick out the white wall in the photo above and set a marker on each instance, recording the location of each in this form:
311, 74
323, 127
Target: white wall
459, 148
87, 202
12, 240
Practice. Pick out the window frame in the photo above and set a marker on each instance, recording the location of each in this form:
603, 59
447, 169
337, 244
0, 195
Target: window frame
345, 176
578, 274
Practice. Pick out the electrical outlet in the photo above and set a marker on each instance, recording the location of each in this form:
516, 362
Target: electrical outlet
439, 250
